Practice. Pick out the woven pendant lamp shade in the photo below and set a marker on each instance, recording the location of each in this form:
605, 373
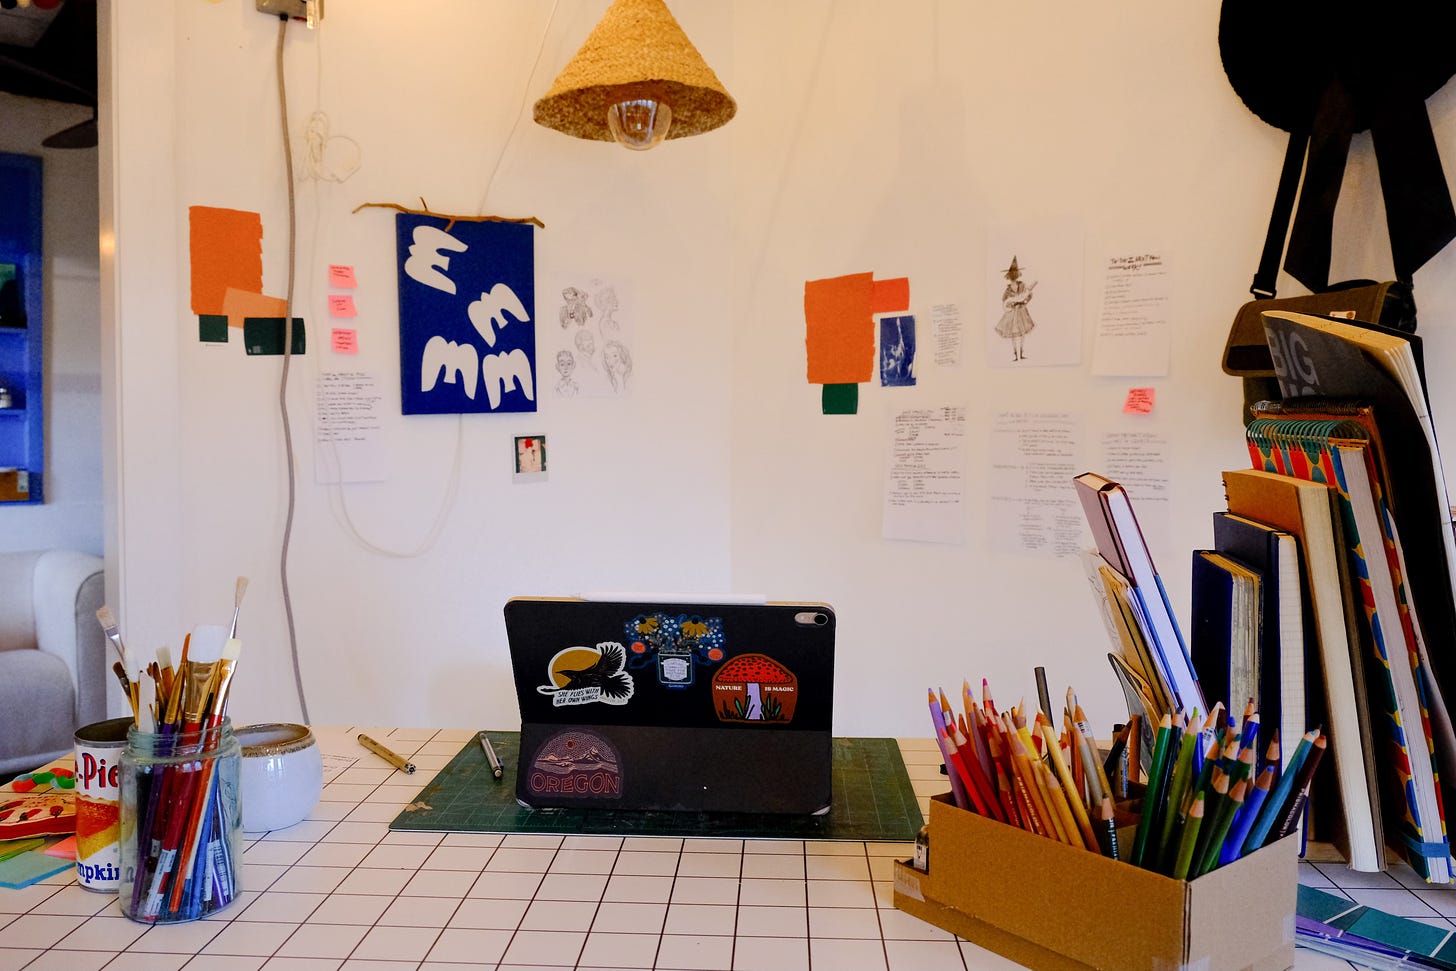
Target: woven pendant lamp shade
637, 51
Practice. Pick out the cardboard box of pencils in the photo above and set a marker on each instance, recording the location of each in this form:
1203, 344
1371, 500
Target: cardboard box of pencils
1053, 907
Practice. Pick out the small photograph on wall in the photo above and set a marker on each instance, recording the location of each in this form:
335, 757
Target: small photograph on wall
1034, 295
530, 456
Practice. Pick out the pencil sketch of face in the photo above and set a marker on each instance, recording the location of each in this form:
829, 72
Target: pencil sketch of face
618, 364
607, 304
587, 345
575, 309
565, 364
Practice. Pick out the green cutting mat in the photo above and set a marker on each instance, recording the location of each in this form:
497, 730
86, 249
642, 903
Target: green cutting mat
872, 801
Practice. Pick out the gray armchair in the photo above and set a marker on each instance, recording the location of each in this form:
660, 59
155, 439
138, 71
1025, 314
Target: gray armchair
53, 660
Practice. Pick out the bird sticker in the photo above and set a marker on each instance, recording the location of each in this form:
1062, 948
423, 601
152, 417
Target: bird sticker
582, 675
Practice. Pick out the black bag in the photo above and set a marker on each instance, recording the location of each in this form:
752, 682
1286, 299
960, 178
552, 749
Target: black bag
1246, 353
1349, 72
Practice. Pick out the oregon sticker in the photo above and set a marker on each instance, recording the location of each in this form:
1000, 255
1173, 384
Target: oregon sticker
755, 688
576, 764
582, 675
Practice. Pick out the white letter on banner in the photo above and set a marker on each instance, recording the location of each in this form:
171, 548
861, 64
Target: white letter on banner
501, 372
424, 257
453, 359
489, 312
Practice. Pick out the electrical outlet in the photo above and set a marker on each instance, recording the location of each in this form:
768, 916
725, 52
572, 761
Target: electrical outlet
309, 11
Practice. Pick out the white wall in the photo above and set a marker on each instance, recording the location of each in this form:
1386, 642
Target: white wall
891, 138
870, 136
638, 489
70, 518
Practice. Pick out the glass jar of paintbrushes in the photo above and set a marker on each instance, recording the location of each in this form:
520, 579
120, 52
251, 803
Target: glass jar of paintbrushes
181, 827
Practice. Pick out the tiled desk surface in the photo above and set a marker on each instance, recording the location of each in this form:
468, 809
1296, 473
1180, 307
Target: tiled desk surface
340, 891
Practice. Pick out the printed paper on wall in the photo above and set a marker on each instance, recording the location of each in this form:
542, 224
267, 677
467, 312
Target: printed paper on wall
467, 333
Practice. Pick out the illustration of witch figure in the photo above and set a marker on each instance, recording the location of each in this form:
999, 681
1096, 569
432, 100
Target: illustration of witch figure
1016, 322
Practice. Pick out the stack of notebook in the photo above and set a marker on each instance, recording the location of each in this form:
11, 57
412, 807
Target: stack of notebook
1327, 596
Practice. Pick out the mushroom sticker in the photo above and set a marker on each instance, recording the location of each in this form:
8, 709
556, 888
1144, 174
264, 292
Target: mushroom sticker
756, 688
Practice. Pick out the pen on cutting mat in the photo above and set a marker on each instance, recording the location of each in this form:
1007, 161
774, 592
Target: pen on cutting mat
496, 769
386, 754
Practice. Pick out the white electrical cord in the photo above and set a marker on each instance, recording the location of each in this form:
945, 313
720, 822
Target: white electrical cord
525, 98
283, 383
452, 490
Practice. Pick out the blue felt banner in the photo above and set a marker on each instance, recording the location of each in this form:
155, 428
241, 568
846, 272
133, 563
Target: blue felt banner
467, 298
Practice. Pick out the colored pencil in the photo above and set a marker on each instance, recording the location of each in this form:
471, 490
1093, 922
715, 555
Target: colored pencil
1189, 838
937, 720
1233, 846
1150, 798
1219, 832
1279, 796
1172, 805
1306, 777
1073, 796
1133, 757
1061, 811
1107, 829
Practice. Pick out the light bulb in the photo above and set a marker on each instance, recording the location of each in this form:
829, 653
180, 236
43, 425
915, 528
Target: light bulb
639, 124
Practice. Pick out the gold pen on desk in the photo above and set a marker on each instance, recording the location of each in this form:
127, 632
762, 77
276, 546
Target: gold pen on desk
395, 760
496, 769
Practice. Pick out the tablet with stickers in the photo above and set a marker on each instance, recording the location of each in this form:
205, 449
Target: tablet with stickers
716, 707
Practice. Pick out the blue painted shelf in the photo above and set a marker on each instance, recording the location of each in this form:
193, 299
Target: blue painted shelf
22, 426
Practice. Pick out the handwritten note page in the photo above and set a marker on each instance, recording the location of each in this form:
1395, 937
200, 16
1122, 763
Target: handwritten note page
1133, 333
347, 428
1139, 461
946, 332
925, 484
1033, 505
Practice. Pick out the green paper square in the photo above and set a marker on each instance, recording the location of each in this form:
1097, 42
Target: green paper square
841, 399
264, 335
212, 329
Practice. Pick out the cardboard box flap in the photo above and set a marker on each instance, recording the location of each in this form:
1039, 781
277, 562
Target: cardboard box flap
1056, 908
1231, 906
1056, 898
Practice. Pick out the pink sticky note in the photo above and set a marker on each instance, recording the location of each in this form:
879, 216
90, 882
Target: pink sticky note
1139, 402
342, 305
345, 340
341, 277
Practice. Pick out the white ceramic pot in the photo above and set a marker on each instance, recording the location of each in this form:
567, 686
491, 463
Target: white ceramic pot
282, 775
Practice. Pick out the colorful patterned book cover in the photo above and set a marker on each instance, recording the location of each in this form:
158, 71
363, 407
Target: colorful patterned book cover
1309, 449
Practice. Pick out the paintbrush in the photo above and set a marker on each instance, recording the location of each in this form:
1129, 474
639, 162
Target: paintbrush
238, 590
164, 668
128, 687
113, 633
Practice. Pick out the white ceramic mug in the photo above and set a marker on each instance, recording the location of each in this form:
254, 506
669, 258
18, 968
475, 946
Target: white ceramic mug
282, 775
